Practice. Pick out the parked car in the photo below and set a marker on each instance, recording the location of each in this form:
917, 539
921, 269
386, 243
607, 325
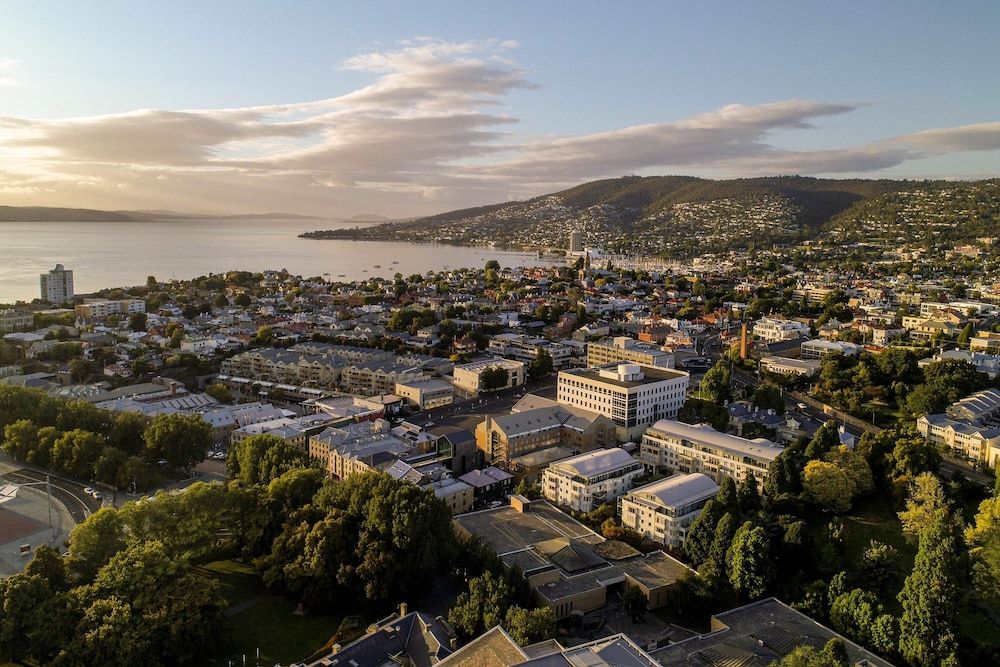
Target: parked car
801, 406
97, 495
89, 490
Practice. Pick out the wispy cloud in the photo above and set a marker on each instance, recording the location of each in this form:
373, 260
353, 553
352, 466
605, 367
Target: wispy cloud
429, 131
10, 69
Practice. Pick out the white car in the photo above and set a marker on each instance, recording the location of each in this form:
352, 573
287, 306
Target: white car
801, 406
97, 495
89, 490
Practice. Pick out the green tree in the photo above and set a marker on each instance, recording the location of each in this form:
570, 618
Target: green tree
931, 595
76, 451
137, 322
259, 459
926, 500
854, 613
541, 365
127, 431
180, 439
529, 626
748, 561
826, 485
633, 601
219, 392
20, 438
93, 543
878, 564
768, 397
834, 654
701, 533
484, 605
243, 300
715, 385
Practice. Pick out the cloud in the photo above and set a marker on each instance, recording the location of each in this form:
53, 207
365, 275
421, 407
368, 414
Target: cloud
9, 70
428, 132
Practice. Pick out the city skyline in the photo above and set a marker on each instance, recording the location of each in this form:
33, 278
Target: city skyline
406, 112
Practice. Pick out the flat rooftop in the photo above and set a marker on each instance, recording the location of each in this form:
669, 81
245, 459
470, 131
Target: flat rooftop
650, 375
757, 634
507, 530
758, 448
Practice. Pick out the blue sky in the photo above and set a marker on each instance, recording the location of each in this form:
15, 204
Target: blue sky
856, 83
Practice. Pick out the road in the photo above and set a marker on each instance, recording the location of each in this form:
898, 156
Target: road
79, 504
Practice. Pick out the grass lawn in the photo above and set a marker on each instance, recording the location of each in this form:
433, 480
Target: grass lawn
267, 622
977, 626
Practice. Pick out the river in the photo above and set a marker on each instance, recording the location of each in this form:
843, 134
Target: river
120, 254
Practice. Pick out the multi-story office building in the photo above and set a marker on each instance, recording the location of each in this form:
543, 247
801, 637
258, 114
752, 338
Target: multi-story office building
583, 482
576, 241
663, 510
622, 348
773, 330
469, 377
673, 446
57, 285
631, 396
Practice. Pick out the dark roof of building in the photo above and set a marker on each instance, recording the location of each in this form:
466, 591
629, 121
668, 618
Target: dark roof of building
421, 638
759, 633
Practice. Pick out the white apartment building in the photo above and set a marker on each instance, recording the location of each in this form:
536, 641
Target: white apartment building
468, 377
57, 285
672, 446
663, 510
773, 330
623, 348
632, 396
817, 349
91, 308
584, 482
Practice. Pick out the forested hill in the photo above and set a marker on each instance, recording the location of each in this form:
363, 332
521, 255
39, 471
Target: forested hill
684, 215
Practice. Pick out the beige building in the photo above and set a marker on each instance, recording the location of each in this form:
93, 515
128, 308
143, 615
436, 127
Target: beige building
586, 481
787, 366
469, 377
425, 394
622, 348
985, 341
15, 320
663, 510
377, 377
357, 447
91, 308
630, 395
972, 441
672, 446
504, 438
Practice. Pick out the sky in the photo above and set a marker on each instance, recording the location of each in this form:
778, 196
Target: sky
409, 108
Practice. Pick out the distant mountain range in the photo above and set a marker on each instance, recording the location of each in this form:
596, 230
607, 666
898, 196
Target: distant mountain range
683, 216
51, 214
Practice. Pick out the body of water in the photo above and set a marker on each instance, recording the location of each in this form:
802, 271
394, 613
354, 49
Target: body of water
116, 254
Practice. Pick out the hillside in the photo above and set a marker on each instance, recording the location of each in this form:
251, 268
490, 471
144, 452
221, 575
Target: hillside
681, 216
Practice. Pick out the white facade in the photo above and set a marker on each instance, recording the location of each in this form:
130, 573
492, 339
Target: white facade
674, 446
773, 330
632, 396
786, 366
817, 349
663, 510
977, 443
586, 481
57, 285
